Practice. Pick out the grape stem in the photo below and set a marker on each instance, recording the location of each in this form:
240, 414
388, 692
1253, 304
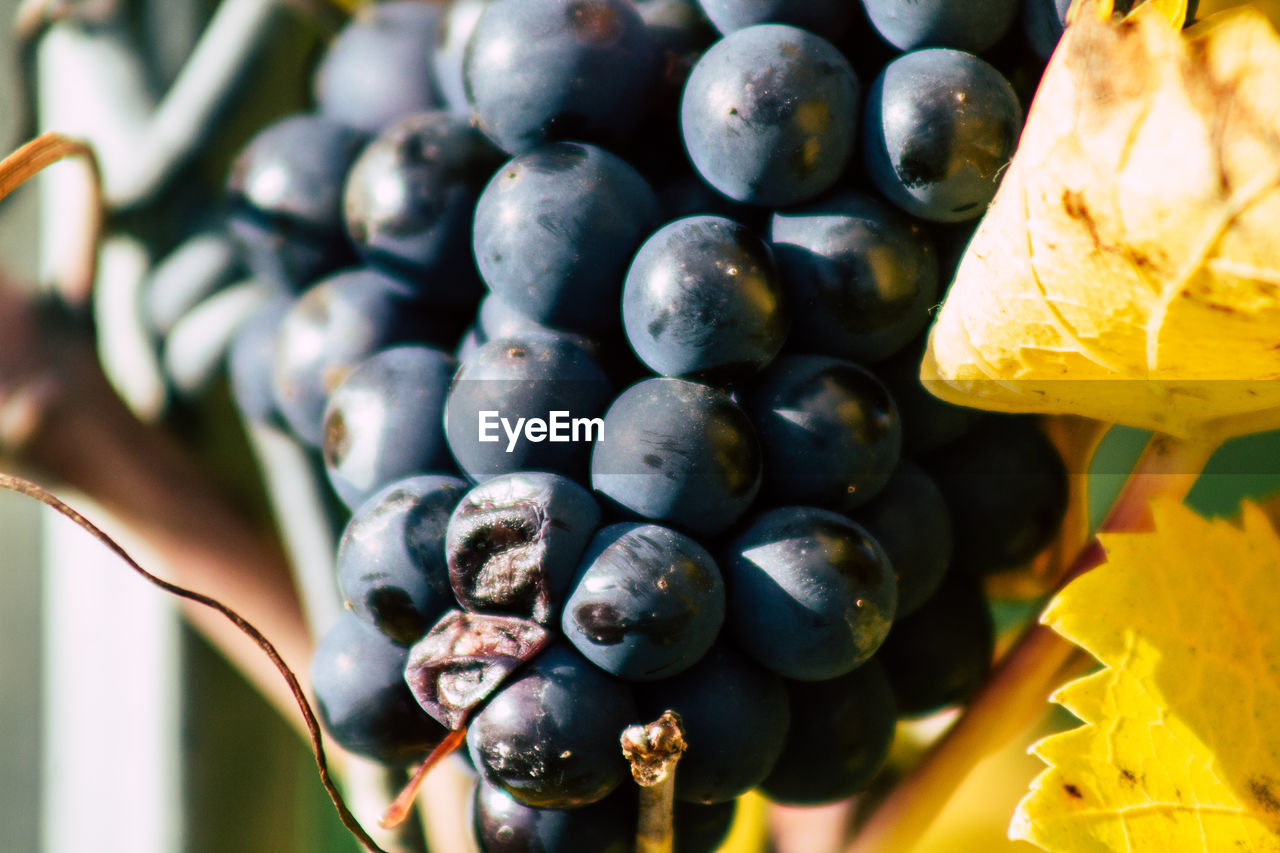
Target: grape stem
295, 490
400, 809
250, 631
654, 750
79, 433
1015, 694
78, 269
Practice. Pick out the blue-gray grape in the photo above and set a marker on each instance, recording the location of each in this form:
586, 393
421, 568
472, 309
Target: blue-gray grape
768, 115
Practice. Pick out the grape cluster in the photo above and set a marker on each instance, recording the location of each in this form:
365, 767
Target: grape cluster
605, 317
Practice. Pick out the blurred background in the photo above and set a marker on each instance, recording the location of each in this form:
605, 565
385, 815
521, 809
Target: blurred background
120, 729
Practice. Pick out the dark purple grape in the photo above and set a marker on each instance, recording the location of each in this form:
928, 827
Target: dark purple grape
679, 453
501, 824
250, 358
285, 197
769, 115
939, 128
861, 277
840, 735
544, 742
703, 298
940, 655
391, 565
1043, 22
539, 70
379, 68
829, 431
357, 676
514, 543
811, 594
702, 827
385, 421
647, 602
910, 24
555, 230
951, 240
735, 720
927, 422
827, 18
530, 402
410, 198
1006, 487
909, 519
338, 323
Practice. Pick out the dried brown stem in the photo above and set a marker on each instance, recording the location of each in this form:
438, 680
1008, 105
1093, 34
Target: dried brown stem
400, 809
60, 417
77, 432
1017, 691
654, 750
30, 489
76, 273
80, 435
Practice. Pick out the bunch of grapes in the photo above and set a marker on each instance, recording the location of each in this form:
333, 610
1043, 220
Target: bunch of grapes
606, 318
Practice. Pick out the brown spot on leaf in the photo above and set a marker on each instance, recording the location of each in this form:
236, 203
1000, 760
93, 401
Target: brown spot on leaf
1127, 775
1073, 791
1141, 260
1074, 205
1263, 792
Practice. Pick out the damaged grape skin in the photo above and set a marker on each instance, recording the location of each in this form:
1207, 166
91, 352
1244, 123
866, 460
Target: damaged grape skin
465, 657
513, 543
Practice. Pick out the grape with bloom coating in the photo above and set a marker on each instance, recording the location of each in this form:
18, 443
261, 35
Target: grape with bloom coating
768, 115
811, 594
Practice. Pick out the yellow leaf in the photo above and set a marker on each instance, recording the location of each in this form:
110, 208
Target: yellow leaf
1180, 750
1173, 11
750, 830
1128, 269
